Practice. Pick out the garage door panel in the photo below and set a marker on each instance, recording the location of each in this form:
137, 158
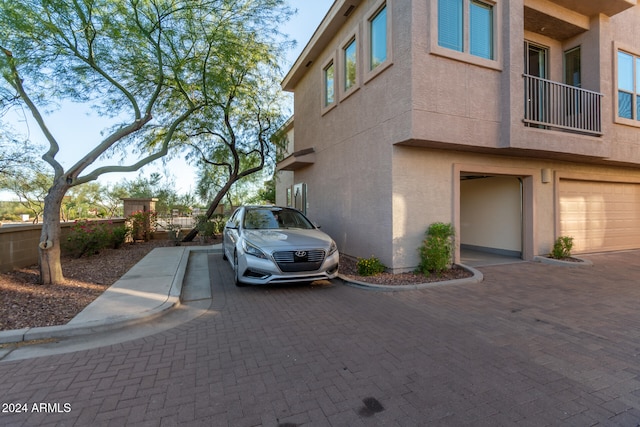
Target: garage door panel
600, 216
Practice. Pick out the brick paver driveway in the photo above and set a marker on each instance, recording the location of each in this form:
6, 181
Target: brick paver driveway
531, 345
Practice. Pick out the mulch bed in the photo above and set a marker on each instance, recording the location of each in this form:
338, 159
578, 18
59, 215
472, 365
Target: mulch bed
349, 269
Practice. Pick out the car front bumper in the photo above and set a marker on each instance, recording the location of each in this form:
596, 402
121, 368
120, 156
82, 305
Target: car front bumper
259, 271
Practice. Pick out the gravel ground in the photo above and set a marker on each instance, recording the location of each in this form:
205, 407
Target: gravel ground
24, 303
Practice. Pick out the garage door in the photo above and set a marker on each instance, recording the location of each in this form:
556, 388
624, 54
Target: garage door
600, 216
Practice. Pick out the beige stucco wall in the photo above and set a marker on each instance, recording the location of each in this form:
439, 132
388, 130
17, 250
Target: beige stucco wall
426, 191
376, 195
349, 185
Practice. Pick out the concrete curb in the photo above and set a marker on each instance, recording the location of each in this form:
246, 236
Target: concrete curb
172, 300
476, 278
552, 261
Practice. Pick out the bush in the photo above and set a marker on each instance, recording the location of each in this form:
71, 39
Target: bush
562, 247
88, 238
370, 266
85, 238
205, 227
118, 235
436, 252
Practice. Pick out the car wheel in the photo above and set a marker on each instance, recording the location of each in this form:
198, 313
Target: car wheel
236, 273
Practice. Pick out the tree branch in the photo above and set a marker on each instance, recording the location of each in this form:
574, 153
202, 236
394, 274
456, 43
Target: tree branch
16, 82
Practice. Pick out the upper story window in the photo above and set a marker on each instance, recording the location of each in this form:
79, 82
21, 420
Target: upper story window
329, 75
481, 29
350, 64
378, 35
467, 26
628, 86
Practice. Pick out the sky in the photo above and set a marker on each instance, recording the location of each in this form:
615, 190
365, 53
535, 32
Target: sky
78, 129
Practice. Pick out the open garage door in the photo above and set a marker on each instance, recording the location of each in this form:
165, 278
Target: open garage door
491, 214
600, 216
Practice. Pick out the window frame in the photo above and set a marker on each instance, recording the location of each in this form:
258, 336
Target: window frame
465, 54
635, 94
325, 106
350, 57
352, 37
370, 70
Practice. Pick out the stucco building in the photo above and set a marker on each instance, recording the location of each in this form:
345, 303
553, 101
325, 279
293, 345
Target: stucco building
518, 121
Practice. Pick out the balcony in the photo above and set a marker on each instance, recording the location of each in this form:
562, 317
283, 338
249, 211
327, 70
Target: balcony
553, 105
595, 7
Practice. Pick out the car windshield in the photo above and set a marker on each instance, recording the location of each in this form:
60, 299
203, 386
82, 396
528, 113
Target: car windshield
275, 218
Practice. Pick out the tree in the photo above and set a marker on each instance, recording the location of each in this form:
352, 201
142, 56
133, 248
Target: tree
243, 140
151, 66
31, 188
15, 156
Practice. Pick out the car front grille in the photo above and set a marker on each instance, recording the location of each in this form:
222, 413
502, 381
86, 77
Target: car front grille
295, 261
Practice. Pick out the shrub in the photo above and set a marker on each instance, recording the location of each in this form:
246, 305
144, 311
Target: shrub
205, 227
436, 252
142, 223
210, 227
118, 235
87, 238
370, 266
562, 247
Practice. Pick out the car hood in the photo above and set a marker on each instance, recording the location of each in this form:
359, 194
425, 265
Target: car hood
288, 239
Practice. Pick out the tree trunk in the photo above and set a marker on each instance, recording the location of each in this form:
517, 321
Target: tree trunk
49, 247
212, 208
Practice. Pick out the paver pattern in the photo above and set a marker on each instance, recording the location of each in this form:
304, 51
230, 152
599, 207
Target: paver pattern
532, 344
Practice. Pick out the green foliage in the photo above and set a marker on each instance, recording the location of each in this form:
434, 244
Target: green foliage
88, 238
142, 222
436, 252
164, 72
210, 227
370, 266
562, 247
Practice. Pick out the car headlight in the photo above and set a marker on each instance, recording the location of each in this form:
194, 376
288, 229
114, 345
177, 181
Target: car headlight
332, 248
251, 249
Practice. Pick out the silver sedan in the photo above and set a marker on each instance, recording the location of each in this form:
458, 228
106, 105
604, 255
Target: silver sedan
271, 244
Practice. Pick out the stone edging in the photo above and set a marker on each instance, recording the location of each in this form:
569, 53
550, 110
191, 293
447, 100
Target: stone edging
476, 278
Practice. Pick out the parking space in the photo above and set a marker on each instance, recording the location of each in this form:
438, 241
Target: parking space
533, 344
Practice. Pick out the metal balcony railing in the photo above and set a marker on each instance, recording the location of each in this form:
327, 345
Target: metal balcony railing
555, 105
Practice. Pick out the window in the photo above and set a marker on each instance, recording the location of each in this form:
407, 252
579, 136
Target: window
378, 34
481, 29
329, 84
572, 69
350, 62
450, 24
474, 19
628, 86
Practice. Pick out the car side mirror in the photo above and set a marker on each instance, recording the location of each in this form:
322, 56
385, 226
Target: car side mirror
232, 224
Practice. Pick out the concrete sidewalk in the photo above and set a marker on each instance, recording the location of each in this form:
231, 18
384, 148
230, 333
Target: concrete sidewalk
150, 288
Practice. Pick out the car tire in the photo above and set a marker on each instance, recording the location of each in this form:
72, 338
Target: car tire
236, 275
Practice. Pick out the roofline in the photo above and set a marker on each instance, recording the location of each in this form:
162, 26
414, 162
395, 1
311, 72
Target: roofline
337, 15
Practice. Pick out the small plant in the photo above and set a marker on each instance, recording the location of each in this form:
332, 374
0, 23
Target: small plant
117, 235
206, 228
562, 247
370, 266
173, 231
436, 252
